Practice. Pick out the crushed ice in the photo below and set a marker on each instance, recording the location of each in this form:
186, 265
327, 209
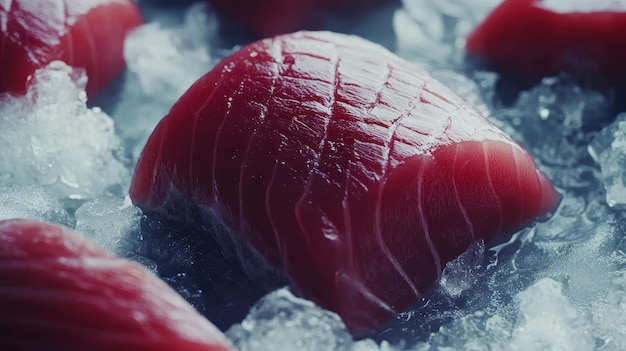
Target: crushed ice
51, 138
163, 61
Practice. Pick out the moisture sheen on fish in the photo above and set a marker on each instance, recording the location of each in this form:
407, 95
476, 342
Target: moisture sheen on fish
532, 39
357, 174
266, 18
59, 291
82, 33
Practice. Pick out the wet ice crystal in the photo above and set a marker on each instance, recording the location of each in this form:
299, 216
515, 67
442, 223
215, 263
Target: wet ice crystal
50, 137
460, 274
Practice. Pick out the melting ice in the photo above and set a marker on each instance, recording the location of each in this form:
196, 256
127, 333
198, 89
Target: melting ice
558, 285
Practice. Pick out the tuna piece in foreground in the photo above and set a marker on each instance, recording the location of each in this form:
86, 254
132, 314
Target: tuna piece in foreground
59, 291
532, 39
355, 173
82, 33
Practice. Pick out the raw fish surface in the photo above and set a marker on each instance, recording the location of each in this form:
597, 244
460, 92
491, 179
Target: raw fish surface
532, 39
265, 18
83, 33
357, 174
59, 291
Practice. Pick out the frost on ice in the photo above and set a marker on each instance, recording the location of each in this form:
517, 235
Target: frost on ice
49, 137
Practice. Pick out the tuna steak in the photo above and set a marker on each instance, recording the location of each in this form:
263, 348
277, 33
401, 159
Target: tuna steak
532, 39
354, 172
59, 291
82, 33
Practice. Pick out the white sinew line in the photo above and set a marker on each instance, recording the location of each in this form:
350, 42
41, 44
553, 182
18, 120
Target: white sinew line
470, 225
378, 221
303, 198
485, 146
431, 245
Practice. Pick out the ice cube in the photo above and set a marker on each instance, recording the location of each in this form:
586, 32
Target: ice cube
109, 221
162, 63
31, 202
50, 137
460, 274
281, 321
608, 149
548, 321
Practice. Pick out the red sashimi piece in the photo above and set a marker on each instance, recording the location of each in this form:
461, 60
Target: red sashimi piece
357, 174
532, 39
266, 18
82, 33
59, 291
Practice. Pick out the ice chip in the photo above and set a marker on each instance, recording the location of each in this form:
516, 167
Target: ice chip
281, 321
49, 137
109, 221
460, 274
548, 321
608, 149
31, 202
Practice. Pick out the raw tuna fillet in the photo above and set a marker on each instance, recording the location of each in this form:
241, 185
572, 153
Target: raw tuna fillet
265, 18
59, 291
354, 172
532, 39
82, 33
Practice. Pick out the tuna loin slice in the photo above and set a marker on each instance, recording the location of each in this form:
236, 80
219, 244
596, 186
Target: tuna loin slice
532, 39
59, 291
82, 33
357, 174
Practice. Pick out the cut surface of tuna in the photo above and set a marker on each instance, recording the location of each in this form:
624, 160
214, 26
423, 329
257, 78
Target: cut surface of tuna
532, 39
265, 18
82, 33
355, 173
59, 291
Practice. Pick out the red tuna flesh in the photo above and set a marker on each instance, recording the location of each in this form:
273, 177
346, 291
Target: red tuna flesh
532, 39
354, 172
82, 33
266, 18
59, 291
